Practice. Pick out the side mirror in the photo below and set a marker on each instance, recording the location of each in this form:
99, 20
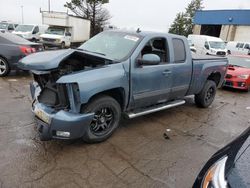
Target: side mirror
206, 46
149, 59
68, 34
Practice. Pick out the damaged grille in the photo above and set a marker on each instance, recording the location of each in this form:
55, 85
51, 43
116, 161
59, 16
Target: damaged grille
52, 94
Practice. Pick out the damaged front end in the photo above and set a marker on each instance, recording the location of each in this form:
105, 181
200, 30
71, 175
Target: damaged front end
57, 106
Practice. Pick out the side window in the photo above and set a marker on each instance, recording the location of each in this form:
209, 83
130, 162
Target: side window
241, 45
157, 46
10, 27
238, 45
247, 46
179, 51
36, 30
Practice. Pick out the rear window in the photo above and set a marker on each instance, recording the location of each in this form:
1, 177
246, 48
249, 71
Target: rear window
11, 38
179, 51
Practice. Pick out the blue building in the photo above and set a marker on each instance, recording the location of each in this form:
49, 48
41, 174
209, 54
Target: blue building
229, 25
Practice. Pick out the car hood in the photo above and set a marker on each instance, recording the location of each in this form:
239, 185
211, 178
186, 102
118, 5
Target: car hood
49, 60
44, 60
236, 71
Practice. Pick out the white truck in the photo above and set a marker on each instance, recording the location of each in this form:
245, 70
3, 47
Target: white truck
64, 29
208, 45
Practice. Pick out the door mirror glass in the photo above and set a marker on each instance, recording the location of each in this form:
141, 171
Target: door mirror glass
149, 59
206, 46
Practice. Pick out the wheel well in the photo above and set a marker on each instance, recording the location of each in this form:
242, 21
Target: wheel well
117, 93
215, 77
4, 58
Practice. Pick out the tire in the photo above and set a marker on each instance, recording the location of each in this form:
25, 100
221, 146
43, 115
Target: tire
107, 110
4, 67
62, 45
206, 97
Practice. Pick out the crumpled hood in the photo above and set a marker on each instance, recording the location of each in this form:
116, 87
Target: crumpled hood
43, 61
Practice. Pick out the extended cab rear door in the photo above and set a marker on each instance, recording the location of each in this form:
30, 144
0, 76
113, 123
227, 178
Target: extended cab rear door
182, 68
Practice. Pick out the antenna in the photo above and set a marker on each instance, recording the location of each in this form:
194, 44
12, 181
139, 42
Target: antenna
138, 30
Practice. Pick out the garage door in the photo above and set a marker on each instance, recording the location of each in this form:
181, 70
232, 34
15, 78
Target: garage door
242, 33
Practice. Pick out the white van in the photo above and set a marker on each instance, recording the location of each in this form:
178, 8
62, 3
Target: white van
238, 48
7, 27
30, 32
208, 45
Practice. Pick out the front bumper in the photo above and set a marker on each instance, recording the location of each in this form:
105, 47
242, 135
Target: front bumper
51, 44
237, 84
51, 123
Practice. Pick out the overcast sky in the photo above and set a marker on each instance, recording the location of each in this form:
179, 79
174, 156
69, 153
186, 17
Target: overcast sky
146, 14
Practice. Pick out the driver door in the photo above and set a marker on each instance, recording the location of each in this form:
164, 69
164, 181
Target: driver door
151, 84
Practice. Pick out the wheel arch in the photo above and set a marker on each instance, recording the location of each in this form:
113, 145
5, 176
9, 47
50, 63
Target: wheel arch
216, 77
117, 93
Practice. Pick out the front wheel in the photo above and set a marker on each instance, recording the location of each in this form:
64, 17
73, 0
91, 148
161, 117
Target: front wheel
62, 45
205, 98
107, 114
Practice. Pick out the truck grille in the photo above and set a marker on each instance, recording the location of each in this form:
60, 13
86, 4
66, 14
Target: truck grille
221, 53
49, 40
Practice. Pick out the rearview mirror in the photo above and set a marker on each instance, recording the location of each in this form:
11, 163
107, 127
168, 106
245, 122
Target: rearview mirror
149, 59
68, 34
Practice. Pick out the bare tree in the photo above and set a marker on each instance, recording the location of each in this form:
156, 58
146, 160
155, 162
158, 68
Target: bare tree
92, 10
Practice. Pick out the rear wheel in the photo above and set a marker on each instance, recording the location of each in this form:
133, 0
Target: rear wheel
205, 98
4, 67
107, 114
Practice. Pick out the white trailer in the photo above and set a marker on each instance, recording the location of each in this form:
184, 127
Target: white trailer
64, 29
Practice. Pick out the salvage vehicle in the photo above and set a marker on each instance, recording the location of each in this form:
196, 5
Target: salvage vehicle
7, 26
229, 167
238, 73
12, 49
82, 93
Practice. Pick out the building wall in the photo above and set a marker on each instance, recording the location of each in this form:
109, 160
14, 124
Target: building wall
228, 32
242, 33
197, 29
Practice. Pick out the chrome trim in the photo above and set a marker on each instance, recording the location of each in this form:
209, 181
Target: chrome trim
169, 105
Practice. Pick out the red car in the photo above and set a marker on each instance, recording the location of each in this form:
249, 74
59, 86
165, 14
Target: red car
238, 73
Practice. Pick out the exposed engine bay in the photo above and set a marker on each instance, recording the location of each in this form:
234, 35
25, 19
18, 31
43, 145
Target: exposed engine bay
56, 95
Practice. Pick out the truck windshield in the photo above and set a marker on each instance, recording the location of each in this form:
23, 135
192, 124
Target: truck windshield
24, 28
55, 31
3, 25
217, 45
239, 61
114, 45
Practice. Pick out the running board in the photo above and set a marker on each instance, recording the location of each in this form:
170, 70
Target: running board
156, 109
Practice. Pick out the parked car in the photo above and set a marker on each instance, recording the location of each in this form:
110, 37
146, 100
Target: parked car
229, 167
238, 48
12, 49
7, 27
30, 32
238, 73
208, 45
81, 93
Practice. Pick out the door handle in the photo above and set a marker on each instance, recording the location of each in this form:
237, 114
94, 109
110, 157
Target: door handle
166, 72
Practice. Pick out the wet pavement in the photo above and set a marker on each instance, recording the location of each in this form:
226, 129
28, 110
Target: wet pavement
139, 154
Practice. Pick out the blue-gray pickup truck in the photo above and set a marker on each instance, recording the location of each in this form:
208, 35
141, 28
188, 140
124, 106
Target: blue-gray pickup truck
82, 93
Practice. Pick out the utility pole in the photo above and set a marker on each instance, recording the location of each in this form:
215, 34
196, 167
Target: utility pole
22, 14
49, 4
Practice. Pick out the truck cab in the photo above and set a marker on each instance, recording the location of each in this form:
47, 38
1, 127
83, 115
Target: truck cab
56, 36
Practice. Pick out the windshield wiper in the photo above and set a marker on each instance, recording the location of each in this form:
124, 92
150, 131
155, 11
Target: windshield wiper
91, 51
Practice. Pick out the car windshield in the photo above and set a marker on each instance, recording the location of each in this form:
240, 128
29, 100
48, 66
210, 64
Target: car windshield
3, 25
24, 28
217, 45
114, 45
55, 31
239, 61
